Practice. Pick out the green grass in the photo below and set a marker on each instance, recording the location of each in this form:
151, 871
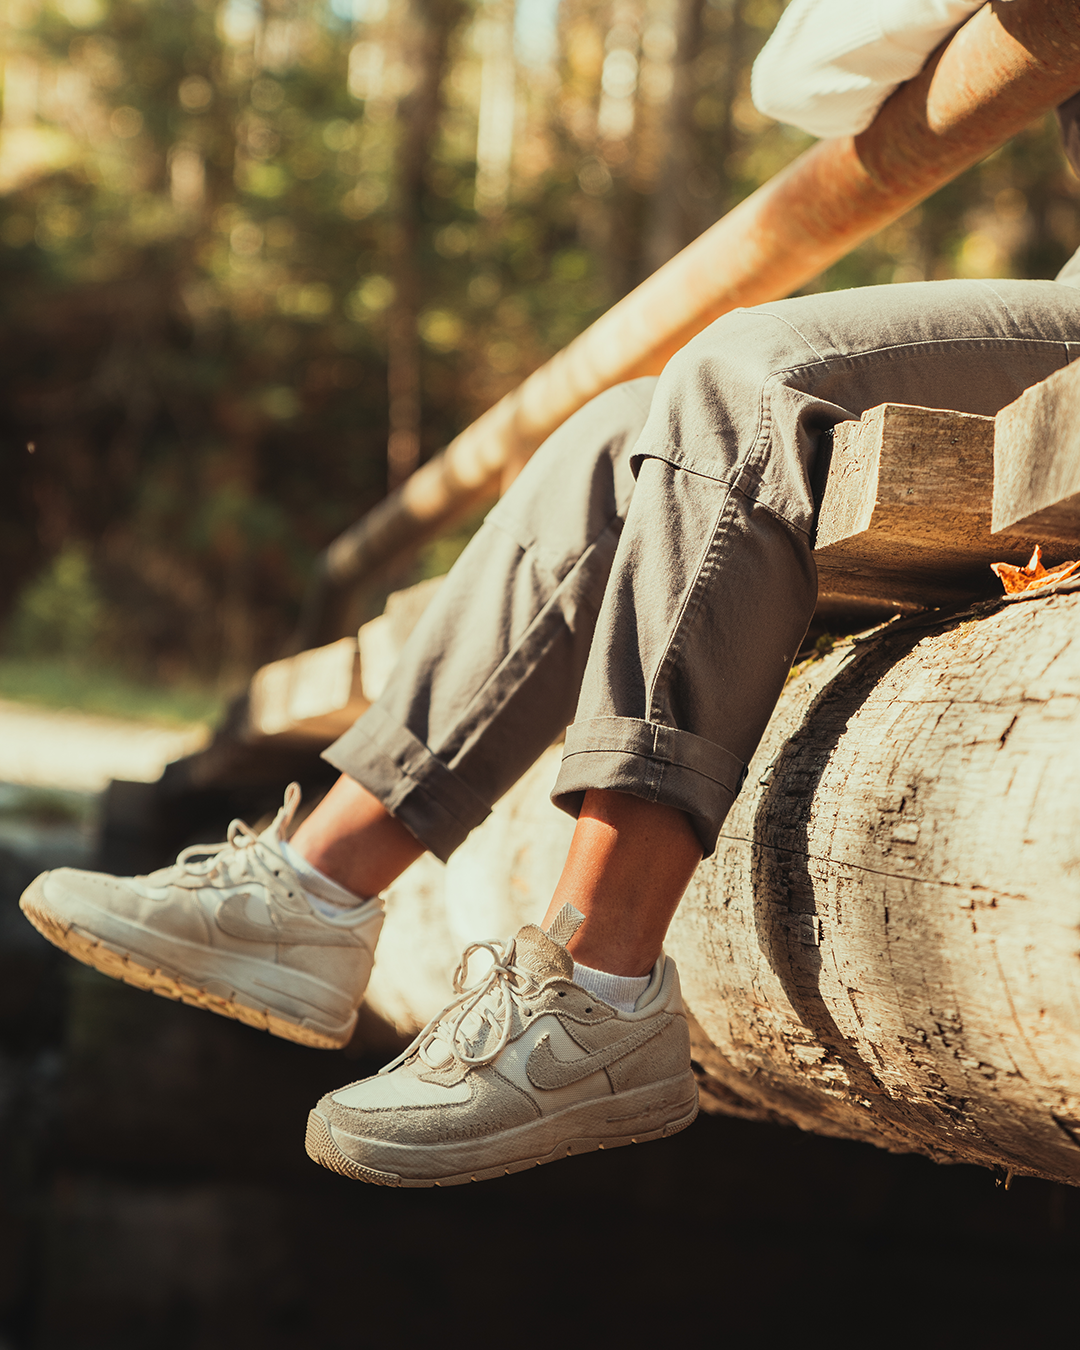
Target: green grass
46, 806
52, 682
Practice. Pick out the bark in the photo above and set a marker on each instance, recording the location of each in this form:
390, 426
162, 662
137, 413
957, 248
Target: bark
885, 945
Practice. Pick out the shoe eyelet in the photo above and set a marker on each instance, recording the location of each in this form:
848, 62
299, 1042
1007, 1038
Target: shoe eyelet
588, 1010
562, 993
528, 1012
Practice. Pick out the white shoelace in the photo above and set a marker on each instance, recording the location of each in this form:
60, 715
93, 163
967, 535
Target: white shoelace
505, 983
238, 857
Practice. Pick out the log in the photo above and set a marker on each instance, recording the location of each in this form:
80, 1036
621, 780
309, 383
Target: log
884, 946
1037, 461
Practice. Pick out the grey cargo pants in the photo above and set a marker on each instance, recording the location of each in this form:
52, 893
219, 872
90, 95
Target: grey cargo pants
647, 580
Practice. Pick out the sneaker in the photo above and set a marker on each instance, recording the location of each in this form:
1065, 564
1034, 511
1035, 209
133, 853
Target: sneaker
522, 1068
227, 927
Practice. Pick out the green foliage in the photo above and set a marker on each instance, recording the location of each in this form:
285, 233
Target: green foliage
93, 687
48, 807
60, 612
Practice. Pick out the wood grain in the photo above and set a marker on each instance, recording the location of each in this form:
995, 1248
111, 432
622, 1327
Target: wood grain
905, 515
885, 945
1037, 461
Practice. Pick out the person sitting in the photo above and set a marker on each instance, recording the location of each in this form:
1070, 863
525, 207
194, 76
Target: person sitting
645, 585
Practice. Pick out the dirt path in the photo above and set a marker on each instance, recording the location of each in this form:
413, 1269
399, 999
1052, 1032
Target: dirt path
40, 747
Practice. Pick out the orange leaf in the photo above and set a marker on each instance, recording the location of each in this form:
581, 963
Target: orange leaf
1034, 576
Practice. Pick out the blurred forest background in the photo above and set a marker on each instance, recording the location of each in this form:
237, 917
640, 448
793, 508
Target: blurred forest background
259, 258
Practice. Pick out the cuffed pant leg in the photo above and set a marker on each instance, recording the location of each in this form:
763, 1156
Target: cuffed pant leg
706, 607
714, 581
491, 675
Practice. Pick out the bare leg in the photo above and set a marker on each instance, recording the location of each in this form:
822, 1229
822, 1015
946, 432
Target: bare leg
628, 865
629, 862
352, 838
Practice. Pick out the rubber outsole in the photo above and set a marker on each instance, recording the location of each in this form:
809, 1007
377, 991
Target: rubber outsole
134, 970
322, 1149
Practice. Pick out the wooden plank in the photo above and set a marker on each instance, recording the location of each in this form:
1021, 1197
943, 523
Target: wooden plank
905, 516
1037, 461
312, 696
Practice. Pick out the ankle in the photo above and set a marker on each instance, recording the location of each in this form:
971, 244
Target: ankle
351, 838
613, 952
629, 862
326, 894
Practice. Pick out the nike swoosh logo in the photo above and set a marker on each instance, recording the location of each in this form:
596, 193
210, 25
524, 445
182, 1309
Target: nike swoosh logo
232, 917
545, 1071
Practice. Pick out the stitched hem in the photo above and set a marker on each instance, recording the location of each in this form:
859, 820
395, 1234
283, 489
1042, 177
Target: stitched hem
654, 762
429, 799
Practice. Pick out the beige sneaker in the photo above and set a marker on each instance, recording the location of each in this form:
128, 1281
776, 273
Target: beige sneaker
227, 927
524, 1067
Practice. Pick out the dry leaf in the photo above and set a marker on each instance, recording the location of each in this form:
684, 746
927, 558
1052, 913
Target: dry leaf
1034, 576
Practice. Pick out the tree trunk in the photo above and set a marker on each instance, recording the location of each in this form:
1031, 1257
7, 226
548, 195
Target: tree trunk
425, 33
670, 226
884, 946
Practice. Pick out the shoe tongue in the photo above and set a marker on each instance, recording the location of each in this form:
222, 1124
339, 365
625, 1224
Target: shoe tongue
535, 952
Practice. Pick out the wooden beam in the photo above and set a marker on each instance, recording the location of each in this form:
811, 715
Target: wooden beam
313, 696
1037, 462
905, 515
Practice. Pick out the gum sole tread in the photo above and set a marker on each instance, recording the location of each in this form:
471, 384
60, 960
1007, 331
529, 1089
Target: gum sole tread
322, 1149
125, 966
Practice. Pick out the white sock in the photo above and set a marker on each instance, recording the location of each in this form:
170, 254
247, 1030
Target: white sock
621, 991
323, 893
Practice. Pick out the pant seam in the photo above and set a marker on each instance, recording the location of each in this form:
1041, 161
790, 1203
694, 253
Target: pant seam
545, 560
658, 758
481, 699
690, 604
917, 345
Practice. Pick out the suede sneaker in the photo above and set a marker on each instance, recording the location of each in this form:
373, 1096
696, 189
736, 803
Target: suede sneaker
227, 927
522, 1068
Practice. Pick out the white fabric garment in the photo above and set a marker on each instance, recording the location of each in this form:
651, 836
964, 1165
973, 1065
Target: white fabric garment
830, 64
